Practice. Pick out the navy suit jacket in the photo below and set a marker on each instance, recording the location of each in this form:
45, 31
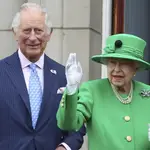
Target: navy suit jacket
16, 132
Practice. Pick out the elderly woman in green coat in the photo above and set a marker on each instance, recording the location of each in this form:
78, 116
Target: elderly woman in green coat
116, 110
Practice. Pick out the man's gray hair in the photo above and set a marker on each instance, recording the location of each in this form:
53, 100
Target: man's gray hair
16, 20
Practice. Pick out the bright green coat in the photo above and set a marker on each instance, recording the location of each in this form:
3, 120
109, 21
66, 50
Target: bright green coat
111, 125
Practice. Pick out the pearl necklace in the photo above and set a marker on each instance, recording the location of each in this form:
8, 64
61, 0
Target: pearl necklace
126, 100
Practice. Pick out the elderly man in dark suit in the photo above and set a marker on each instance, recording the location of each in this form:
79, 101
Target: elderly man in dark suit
30, 90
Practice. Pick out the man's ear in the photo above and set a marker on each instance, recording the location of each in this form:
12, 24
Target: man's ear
48, 36
15, 35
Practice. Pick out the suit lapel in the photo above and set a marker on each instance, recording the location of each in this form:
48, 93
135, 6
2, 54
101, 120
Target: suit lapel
15, 73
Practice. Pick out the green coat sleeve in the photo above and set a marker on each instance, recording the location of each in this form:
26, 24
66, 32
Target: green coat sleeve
75, 110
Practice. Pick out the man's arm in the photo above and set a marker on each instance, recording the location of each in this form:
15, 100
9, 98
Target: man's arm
74, 140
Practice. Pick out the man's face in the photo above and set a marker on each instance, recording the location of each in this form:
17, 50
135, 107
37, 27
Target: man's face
32, 34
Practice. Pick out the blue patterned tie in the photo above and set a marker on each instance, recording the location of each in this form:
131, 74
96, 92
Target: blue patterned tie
35, 94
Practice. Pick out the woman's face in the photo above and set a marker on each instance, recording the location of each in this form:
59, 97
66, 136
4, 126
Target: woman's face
121, 71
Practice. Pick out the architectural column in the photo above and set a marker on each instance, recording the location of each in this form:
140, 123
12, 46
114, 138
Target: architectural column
7, 11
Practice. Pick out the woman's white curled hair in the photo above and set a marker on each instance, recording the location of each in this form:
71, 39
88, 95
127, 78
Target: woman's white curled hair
16, 19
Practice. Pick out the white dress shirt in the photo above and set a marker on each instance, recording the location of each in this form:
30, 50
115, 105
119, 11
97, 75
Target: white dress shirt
40, 69
26, 70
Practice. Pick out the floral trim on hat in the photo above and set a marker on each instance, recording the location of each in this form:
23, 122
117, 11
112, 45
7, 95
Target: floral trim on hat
110, 49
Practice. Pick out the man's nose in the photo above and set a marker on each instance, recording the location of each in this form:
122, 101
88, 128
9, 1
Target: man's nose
32, 35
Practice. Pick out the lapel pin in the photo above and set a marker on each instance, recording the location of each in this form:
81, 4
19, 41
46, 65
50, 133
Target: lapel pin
53, 71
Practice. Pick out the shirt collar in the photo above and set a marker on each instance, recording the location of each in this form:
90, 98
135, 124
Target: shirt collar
25, 62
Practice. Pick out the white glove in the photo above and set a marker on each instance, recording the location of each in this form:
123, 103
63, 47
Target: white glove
74, 74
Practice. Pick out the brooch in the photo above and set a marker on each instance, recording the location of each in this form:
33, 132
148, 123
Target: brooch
145, 93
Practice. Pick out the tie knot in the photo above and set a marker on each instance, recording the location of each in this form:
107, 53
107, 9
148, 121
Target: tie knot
33, 66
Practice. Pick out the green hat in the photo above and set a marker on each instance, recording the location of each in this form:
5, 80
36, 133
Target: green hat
124, 46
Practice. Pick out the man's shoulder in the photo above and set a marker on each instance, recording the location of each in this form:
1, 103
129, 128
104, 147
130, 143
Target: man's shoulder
9, 58
53, 63
4, 60
55, 67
